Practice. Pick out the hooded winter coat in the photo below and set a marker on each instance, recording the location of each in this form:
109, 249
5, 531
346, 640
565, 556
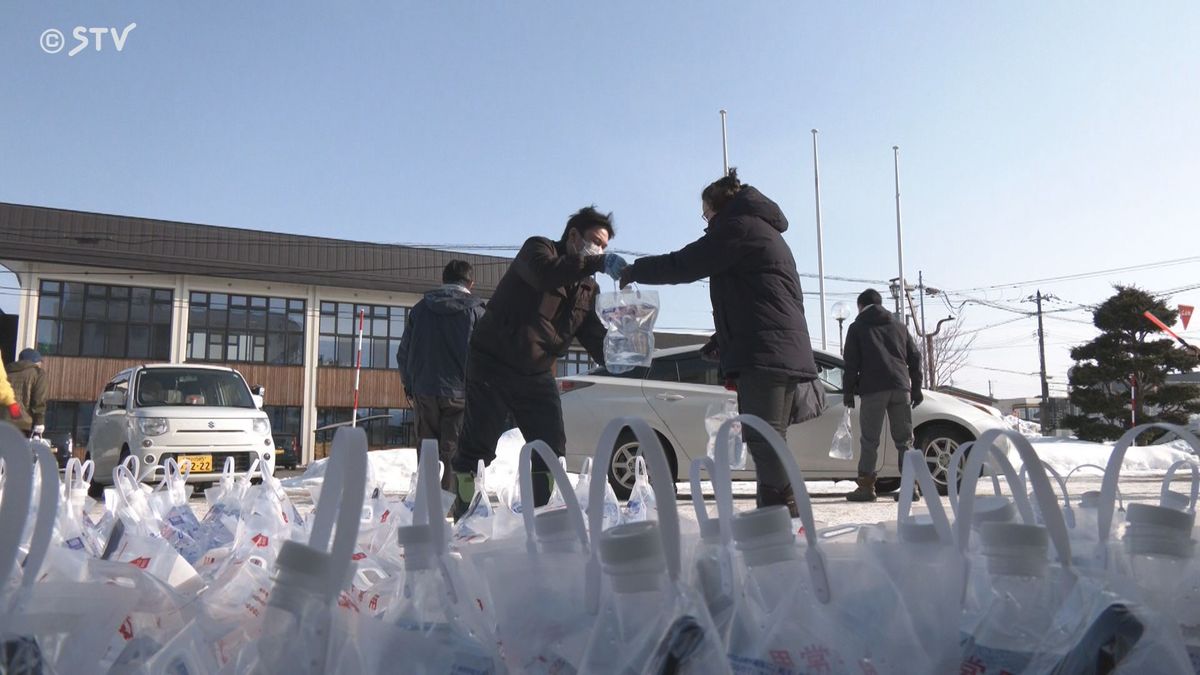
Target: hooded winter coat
758, 307
31, 390
880, 355
433, 350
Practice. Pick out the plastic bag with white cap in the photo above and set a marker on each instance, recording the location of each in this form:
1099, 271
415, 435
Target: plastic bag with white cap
711, 568
437, 618
537, 582
647, 619
821, 607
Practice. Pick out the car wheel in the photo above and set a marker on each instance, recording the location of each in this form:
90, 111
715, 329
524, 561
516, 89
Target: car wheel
621, 467
938, 442
885, 486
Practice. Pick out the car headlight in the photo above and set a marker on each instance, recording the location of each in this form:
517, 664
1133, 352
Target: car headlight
153, 426
261, 426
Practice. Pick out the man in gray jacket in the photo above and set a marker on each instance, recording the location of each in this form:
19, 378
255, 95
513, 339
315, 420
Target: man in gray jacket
433, 359
883, 367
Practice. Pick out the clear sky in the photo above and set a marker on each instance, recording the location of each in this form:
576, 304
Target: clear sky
1037, 139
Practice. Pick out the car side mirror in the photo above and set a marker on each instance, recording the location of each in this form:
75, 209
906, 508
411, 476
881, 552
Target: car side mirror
258, 401
113, 399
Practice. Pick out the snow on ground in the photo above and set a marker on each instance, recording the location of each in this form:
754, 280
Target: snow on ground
1067, 455
1029, 429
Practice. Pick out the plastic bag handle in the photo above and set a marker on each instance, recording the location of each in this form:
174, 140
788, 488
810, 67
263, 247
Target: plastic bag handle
966, 501
916, 470
1120, 499
818, 574
16, 496
952, 476
47, 512
341, 498
661, 481
227, 476
89, 470
73, 474
1112, 474
1047, 500
1166, 483
1068, 513
133, 465
525, 465
700, 464
428, 501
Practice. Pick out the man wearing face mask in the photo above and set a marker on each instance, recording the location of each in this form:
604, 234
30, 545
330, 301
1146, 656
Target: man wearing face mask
545, 300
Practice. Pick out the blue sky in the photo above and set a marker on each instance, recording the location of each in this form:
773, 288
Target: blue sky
1037, 139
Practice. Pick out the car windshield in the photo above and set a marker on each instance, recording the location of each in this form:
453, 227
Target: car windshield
192, 387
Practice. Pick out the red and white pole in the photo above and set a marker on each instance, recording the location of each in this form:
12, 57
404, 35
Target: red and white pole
358, 366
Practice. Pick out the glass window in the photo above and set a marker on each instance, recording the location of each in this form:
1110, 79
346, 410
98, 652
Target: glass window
115, 315
663, 370
695, 370
338, 344
192, 387
241, 328
830, 374
574, 362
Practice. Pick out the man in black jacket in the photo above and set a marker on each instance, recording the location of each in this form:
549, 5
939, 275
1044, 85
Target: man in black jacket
761, 336
545, 300
883, 367
433, 359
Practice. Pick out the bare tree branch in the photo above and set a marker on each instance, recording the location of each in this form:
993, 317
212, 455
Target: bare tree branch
951, 349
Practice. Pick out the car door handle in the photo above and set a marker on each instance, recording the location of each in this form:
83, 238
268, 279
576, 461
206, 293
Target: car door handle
670, 397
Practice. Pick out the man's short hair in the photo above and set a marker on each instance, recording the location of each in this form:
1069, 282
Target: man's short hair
588, 218
869, 297
458, 272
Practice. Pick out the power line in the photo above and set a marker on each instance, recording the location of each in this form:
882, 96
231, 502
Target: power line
1084, 275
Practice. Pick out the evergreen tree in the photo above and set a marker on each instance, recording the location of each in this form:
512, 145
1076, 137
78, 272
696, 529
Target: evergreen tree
1130, 349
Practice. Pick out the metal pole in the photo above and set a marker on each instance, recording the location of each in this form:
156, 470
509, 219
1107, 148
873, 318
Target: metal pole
841, 343
928, 343
358, 367
724, 144
820, 240
899, 232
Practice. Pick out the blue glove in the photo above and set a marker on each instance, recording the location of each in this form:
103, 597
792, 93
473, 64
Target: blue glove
614, 265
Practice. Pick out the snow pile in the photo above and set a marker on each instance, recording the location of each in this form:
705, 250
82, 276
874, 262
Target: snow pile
1027, 429
1067, 454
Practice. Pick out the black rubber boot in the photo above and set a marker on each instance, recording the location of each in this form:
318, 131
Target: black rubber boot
865, 492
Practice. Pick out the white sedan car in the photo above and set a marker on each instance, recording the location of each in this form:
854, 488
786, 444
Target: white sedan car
680, 389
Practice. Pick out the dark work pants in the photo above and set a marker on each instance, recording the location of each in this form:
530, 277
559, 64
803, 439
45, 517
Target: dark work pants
441, 419
496, 395
871, 409
768, 395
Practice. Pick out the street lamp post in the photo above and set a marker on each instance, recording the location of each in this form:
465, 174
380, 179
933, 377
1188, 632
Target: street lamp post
841, 312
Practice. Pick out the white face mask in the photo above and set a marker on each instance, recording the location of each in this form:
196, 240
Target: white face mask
590, 249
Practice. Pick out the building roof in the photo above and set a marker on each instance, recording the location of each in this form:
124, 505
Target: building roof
48, 235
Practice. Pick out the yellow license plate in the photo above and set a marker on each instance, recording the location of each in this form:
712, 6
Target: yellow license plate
200, 463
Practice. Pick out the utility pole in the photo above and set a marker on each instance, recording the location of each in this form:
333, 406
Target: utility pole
1044, 414
899, 237
820, 238
928, 338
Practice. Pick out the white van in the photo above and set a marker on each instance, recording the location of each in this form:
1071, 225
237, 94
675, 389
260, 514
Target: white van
204, 414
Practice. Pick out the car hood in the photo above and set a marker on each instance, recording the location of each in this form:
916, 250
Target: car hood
198, 412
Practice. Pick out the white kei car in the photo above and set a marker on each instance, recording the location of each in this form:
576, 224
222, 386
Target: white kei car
203, 414
680, 389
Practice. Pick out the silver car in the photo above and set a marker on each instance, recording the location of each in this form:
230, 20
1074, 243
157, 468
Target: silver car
680, 389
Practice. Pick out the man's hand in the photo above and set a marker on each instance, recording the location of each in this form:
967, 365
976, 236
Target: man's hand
614, 265
848, 401
917, 397
626, 277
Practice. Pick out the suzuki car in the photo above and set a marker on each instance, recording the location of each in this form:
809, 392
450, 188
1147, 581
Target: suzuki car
202, 414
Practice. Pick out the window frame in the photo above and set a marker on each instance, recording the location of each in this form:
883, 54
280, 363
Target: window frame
337, 334
241, 324
70, 310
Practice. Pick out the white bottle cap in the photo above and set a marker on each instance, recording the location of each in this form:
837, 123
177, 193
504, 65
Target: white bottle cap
1015, 549
554, 526
1158, 530
917, 530
299, 566
994, 509
633, 557
417, 542
764, 536
1090, 500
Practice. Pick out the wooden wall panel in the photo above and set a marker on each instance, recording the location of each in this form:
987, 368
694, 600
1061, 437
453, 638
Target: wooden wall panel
81, 379
285, 384
377, 388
